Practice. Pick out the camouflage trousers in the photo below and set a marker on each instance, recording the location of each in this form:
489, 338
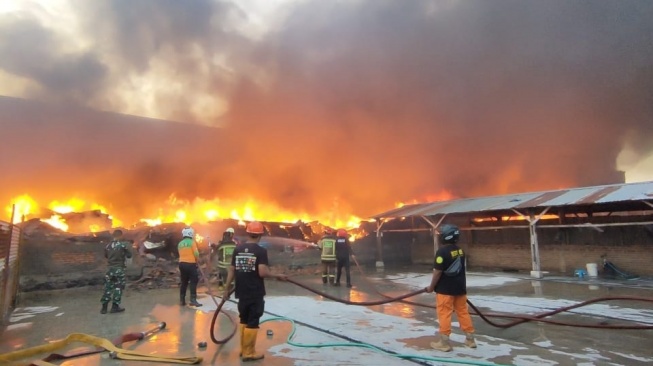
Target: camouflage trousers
114, 283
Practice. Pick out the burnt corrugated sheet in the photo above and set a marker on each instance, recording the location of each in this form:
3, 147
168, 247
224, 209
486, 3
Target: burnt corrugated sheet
642, 191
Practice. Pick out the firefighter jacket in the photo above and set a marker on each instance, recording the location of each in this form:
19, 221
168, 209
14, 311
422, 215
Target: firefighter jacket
328, 246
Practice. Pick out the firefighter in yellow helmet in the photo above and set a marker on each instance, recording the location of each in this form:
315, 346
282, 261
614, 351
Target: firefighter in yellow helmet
249, 266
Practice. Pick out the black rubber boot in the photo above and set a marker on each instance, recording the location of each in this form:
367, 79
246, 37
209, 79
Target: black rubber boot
193, 302
115, 308
182, 300
104, 308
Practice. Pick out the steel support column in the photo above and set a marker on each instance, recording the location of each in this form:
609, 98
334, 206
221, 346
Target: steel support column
535, 250
379, 243
434, 227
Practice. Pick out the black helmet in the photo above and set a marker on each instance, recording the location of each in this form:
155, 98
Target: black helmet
449, 233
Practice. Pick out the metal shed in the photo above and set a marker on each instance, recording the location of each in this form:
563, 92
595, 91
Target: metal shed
633, 199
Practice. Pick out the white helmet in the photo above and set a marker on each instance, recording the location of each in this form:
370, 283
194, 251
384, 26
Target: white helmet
188, 232
230, 230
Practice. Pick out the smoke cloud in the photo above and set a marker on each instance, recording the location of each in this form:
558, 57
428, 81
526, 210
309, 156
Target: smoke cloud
348, 106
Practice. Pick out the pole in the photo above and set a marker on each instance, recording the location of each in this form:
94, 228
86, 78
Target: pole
379, 244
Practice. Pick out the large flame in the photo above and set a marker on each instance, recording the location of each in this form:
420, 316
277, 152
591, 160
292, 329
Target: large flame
56, 221
174, 210
189, 212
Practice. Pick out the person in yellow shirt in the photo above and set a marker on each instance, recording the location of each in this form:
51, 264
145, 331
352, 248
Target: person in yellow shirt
188, 260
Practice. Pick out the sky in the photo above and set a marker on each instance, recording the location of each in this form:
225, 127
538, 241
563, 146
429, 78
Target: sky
319, 106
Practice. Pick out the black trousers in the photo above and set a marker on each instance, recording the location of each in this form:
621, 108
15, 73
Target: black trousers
250, 311
344, 262
188, 272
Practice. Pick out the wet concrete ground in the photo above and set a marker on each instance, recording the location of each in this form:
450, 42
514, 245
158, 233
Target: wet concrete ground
395, 328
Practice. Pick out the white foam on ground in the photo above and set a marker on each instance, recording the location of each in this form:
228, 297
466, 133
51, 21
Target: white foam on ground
421, 280
394, 333
19, 326
534, 305
25, 313
522, 305
633, 357
382, 330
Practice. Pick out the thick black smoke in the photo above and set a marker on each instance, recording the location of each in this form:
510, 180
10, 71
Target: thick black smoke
358, 105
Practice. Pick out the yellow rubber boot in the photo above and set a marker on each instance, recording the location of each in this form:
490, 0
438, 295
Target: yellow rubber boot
249, 345
242, 338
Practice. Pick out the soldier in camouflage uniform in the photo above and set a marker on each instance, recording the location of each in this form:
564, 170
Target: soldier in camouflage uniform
114, 280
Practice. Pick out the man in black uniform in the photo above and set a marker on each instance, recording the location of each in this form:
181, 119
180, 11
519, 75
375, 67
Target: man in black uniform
343, 251
450, 284
249, 266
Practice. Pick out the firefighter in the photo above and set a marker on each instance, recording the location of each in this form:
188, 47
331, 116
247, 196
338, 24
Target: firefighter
114, 280
327, 245
249, 266
449, 283
189, 257
343, 251
225, 250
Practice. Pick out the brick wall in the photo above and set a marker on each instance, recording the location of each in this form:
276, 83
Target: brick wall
630, 249
56, 256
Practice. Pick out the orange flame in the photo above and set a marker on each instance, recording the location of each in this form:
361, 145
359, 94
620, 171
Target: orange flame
57, 222
177, 210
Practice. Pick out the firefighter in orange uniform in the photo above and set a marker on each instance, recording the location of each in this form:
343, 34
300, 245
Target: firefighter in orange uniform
450, 284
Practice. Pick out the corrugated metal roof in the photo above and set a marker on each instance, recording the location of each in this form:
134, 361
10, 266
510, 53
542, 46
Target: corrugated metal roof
561, 197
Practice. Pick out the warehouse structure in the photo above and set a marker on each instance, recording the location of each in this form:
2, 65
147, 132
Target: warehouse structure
556, 231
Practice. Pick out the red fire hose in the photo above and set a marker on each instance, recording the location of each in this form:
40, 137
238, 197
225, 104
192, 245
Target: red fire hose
520, 319
217, 312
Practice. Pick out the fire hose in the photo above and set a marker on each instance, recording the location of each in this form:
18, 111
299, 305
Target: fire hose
101, 345
520, 319
217, 311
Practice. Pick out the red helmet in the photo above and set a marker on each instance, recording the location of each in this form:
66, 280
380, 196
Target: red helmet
255, 227
342, 233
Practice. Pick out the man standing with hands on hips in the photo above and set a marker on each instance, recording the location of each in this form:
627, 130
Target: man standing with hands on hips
450, 284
